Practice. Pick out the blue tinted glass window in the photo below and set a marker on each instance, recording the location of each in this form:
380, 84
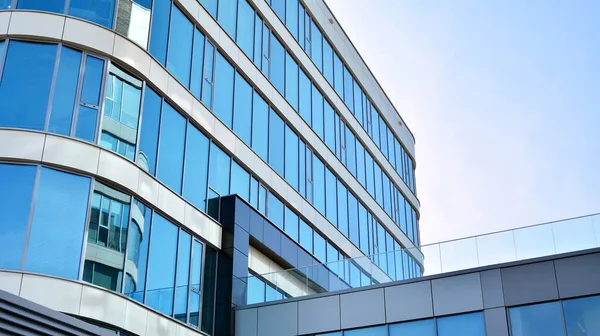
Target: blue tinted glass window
378, 184
332, 256
363, 228
56, 6
328, 62
100, 12
301, 14
182, 276
223, 103
227, 14
179, 58
242, 114
392, 154
291, 81
266, 53
463, 325
305, 100
245, 31
398, 258
258, 31
348, 90
171, 148
338, 75
220, 170
15, 204
536, 320
308, 164
279, 8
320, 247
276, 146
138, 240
58, 224
375, 121
329, 122
370, 174
291, 157
415, 328
391, 264
24, 101
149, 131
317, 46
331, 199
240, 181
196, 167
317, 112
291, 17
256, 290
65, 89
254, 192
260, 124
350, 151
582, 316
277, 64
275, 210
210, 6
387, 199
161, 265
319, 184
306, 236
302, 169
197, 64
353, 219
360, 164
160, 29
358, 101
383, 137
291, 224
342, 208
262, 199
92, 81
381, 247
87, 118
208, 82
371, 331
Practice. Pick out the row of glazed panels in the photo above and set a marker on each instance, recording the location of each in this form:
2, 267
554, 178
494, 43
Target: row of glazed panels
70, 226
575, 317
70, 90
244, 25
159, 22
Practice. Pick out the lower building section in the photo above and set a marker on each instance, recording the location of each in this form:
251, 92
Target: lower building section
550, 296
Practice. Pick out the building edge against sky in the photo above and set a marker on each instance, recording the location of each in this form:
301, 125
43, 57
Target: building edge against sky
116, 162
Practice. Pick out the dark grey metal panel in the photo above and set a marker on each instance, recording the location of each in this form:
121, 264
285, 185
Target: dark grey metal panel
496, 323
319, 315
408, 302
363, 308
491, 287
24, 317
457, 294
529, 283
278, 320
578, 276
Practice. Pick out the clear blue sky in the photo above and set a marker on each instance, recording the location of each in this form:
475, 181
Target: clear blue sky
503, 97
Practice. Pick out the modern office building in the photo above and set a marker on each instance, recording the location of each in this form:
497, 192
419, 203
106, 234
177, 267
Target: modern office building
158, 156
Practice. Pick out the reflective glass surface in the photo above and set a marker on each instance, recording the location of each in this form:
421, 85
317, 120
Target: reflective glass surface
245, 27
223, 101
196, 167
260, 125
179, 58
291, 157
461, 325
582, 316
65, 90
171, 148
242, 114
276, 146
220, 170
148, 148
160, 29
371, 331
537, 320
240, 181
161, 265
134, 22
97, 11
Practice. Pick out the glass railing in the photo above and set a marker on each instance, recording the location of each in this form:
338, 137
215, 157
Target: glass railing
534, 241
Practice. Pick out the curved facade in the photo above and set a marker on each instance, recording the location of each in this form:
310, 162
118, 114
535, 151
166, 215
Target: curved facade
124, 124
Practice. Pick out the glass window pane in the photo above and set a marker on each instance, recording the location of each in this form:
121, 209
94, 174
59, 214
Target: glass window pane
171, 148
279, 8
223, 102
240, 181
338, 75
291, 157
342, 208
220, 170
65, 90
320, 247
182, 276
160, 29
134, 21
58, 224
197, 64
227, 13
210, 6
161, 265
92, 80
256, 290
306, 236
196, 277
317, 46
260, 123
24, 101
353, 219
196, 167
328, 61
242, 114
317, 112
582, 316
331, 197
87, 118
55, 6
148, 148
537, 320
258, 30
208, 82
179, 58
276, 146
363, 229
329, 123
245, 31
415, 328
348, 90
275, 210
358, 101
291, 81
277, 65
291, 224
461, 325
350, 151
371, 331
15, 205
137, 251
319, 184
291, 17
305, 100
100, 12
